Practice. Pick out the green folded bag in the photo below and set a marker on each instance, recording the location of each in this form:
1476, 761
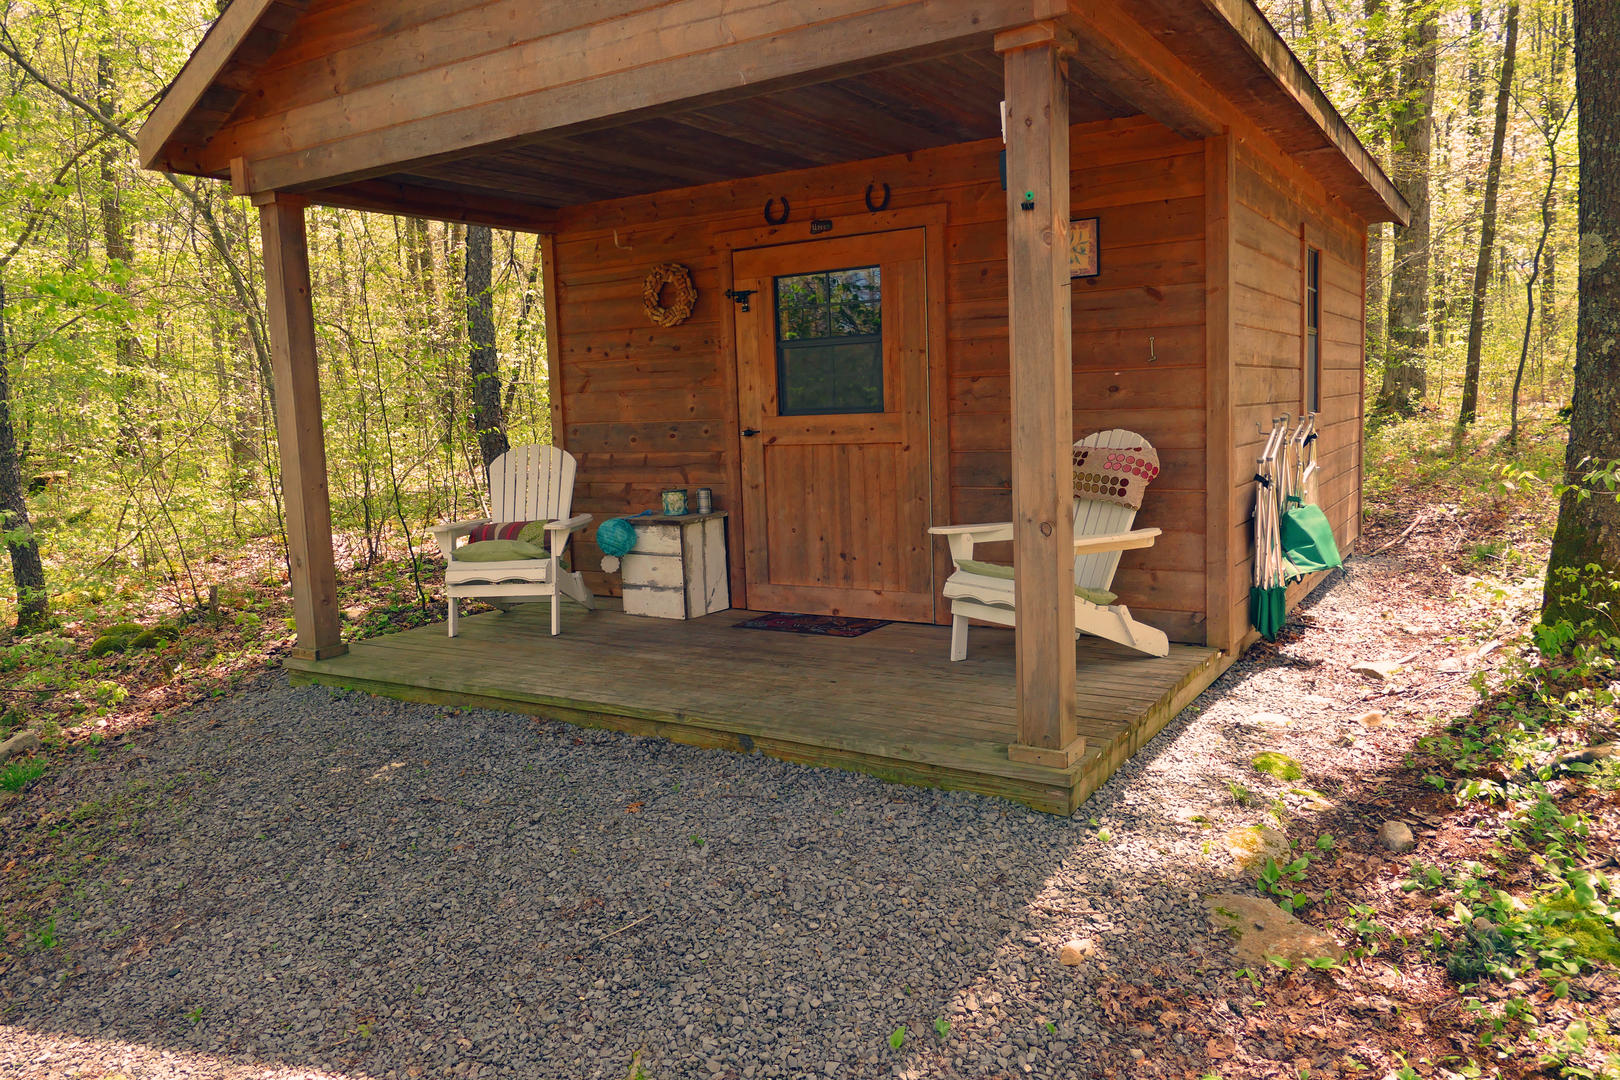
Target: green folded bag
499, 551
1307, 540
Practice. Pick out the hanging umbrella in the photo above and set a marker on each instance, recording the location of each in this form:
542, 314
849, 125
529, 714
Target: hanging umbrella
1268, 603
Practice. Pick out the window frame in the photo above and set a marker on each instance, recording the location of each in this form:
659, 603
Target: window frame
1310, 321
778, 346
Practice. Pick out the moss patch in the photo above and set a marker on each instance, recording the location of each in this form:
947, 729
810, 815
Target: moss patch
121, 637
1278, 765
1594, 938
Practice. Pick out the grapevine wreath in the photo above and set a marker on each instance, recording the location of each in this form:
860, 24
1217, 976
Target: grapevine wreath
678, 280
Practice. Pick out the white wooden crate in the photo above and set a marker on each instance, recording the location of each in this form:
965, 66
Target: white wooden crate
677, 570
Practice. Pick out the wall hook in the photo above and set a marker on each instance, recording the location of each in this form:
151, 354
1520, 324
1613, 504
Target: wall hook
1152, 355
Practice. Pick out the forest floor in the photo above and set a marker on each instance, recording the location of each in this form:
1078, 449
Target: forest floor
177, 901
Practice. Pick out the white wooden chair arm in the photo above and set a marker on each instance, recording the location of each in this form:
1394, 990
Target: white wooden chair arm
987, 529
558, 532
445, 535
573, 524
1126, 541
962, 538
460, 526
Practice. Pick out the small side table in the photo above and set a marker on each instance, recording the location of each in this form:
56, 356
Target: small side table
677, 570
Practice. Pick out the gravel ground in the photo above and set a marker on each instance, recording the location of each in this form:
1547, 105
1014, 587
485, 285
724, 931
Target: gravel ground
309, 883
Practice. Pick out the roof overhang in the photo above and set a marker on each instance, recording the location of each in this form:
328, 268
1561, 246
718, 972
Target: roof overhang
1227, 46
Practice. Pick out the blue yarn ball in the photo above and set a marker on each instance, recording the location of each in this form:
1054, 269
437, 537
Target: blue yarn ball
615, 537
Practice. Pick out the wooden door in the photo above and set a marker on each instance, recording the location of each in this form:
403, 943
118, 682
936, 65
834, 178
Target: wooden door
832, 387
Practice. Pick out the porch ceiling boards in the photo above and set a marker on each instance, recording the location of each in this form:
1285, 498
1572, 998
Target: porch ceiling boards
904, 107
889, 703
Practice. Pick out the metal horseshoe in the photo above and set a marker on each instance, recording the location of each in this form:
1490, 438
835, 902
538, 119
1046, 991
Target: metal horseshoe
771, 218
875, 207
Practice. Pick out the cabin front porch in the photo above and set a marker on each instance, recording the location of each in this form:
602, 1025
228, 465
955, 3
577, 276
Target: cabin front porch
889, 703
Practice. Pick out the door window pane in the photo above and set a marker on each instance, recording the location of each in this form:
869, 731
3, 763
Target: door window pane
829, 342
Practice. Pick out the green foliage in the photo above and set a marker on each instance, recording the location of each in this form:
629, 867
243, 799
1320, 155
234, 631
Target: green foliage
1281, 880
16, 775
897, 1038
1280, 766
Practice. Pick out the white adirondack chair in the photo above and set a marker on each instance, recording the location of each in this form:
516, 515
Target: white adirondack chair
527, 483
1102, 531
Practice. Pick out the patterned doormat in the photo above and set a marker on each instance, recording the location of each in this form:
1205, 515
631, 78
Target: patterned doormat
826, 625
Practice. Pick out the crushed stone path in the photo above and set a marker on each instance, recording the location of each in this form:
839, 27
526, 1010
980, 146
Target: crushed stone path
305, 883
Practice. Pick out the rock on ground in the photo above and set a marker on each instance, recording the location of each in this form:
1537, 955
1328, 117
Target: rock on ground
1260, 929
1396, 836
24, 742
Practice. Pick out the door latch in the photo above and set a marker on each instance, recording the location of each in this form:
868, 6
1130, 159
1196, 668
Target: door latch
750, 431
740, 296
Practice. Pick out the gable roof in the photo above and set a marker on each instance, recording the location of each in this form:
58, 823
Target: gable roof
1228, 44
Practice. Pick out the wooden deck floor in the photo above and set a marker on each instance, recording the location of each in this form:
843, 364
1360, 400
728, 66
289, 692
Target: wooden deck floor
889, 703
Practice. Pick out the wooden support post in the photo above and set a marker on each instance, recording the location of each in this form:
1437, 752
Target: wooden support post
1037, 118
298, 426
1222, 587
553, 338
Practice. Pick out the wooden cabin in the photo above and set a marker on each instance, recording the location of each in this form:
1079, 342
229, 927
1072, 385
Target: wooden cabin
946, 149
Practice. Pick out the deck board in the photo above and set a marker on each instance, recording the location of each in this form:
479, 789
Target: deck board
889, 703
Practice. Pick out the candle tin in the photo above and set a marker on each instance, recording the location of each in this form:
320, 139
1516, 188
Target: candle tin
704, 500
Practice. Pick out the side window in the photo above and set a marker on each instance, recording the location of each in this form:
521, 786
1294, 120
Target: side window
1313, 327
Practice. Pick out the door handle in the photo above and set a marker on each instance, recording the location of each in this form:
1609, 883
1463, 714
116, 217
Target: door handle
750, 431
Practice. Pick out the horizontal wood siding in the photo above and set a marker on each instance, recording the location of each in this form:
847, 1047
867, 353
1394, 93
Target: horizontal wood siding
1271, 221
649, 408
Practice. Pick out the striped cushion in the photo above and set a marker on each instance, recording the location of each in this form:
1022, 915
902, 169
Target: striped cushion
530, 532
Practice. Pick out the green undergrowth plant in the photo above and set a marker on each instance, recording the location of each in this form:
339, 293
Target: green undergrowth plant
1536, 907
1286, 880
16, 775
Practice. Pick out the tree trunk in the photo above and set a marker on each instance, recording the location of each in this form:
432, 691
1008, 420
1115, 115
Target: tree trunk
1469, 409
1309, 43
1406, 367
1376, 59
115, 237
1588, 532
27, 569
1552, 109
488, 416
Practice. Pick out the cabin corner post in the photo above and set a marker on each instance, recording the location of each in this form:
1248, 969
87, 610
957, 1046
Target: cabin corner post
1041, 346
299, 430
1223, 588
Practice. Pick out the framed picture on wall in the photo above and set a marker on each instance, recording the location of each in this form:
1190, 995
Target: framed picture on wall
1085, 254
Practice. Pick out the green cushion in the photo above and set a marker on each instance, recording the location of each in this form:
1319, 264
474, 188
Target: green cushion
499, 551
1100, 597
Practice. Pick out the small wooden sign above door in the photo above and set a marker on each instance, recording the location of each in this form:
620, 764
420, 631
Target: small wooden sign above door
1085, 253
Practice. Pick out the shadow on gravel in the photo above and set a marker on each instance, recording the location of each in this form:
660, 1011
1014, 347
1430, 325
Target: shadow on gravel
319, 880
311, 880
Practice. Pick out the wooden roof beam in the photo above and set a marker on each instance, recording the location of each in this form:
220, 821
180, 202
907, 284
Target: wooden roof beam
390, 196
246, 32
1270, 50
412, 200
1136, 68
647, 82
